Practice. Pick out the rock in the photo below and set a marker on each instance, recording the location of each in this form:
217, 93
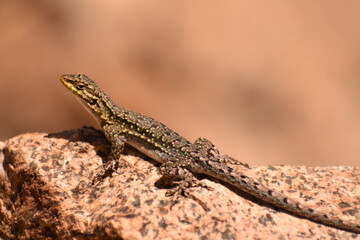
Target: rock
47, 193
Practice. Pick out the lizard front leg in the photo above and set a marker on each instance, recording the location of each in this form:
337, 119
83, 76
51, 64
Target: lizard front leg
114, 160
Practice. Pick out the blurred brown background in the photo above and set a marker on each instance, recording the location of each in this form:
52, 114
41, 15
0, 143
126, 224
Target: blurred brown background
270, 82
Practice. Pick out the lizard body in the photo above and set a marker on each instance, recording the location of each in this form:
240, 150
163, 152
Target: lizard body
180, 158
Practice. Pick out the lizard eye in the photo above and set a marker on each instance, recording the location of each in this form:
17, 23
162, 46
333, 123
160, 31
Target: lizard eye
80, 86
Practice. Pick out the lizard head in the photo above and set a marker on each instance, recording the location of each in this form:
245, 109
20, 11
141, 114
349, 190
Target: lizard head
86, 90
81, 85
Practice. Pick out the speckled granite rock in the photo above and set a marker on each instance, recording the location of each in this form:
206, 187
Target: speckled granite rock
46, 193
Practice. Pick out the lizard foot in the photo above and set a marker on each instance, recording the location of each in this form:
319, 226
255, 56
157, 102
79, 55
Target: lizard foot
108, 168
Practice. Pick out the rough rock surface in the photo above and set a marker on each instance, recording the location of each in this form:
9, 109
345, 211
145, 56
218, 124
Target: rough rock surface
46, 193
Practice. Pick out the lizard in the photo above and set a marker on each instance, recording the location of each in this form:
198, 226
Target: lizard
180, 159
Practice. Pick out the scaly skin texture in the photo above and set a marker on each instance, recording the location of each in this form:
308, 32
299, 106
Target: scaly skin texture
180, 158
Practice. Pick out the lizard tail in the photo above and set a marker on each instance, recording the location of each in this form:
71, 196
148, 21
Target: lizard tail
250, 186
